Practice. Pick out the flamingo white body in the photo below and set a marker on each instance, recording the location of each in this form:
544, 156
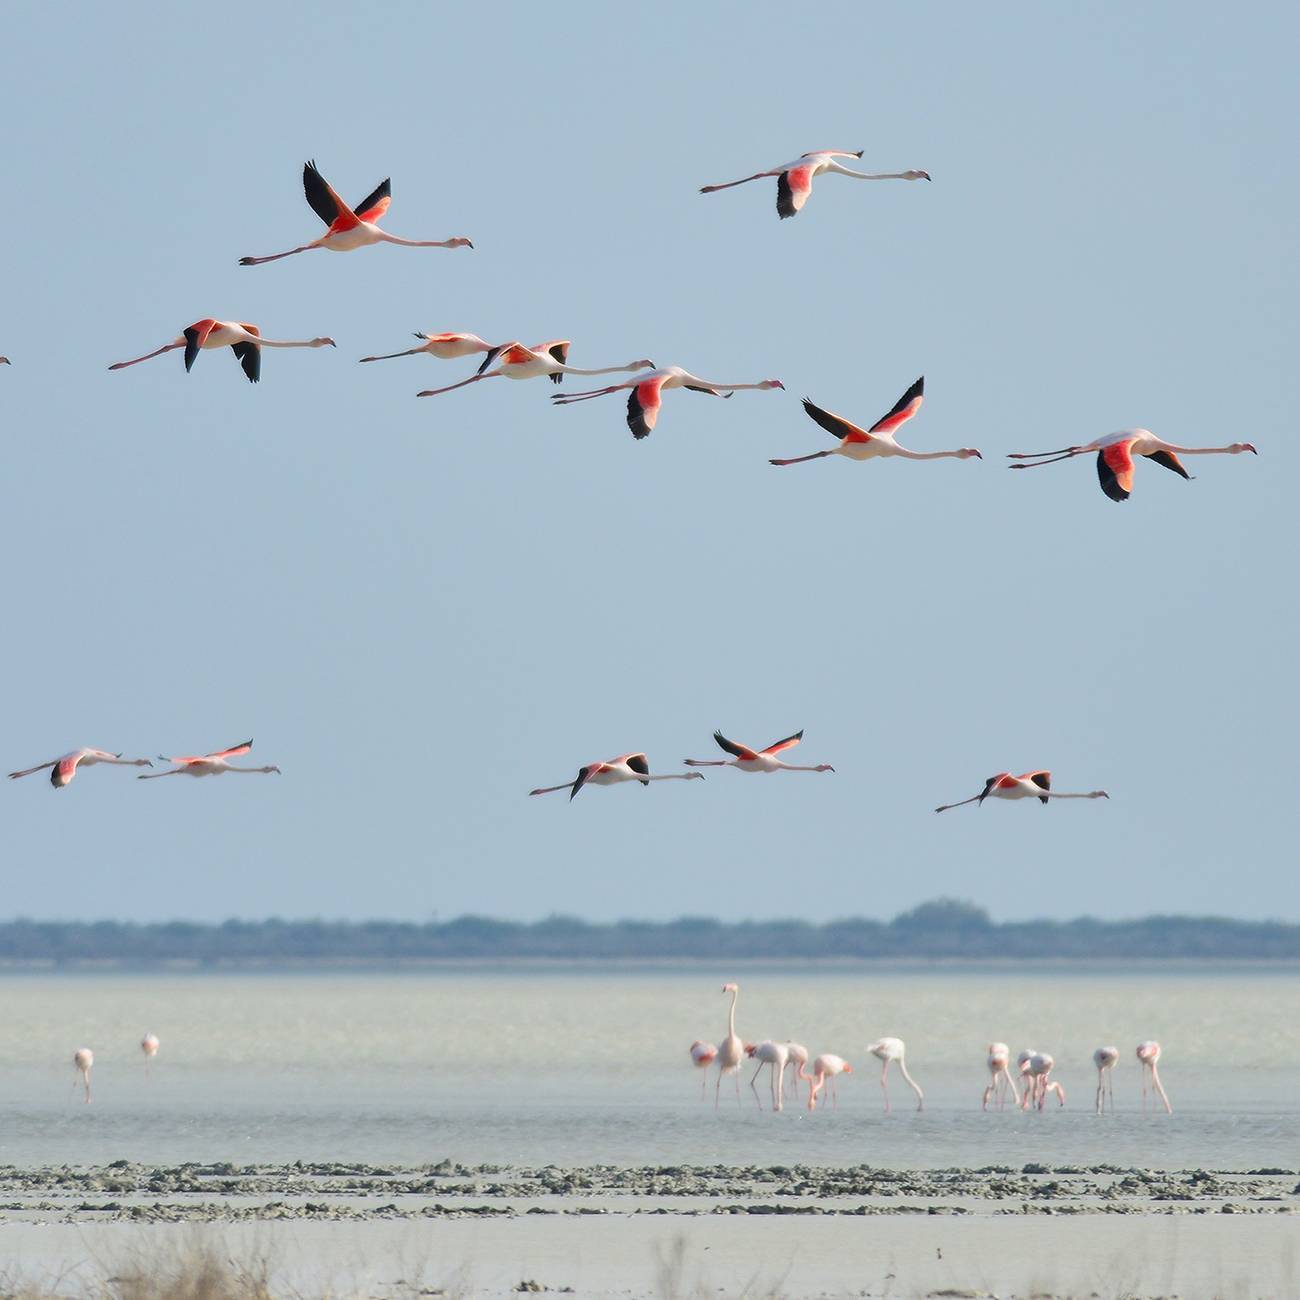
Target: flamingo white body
63, 769
877, 441
887, 1051
1105, 1059
446, 347
794, 179
702, 1056
757, 760
1000, 1080
615, 771
776, 1056
731, 1051
215, 764
350, 228
1028, 785
646, 394
82, 1060
520, 362
243, 339
149, 1046
1037, 1071
826, 1068
1115, 453
796, 1061
1148, 1055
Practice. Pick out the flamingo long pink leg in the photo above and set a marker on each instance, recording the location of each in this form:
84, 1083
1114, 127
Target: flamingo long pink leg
275, 257
148, 356
473, 379
796, 460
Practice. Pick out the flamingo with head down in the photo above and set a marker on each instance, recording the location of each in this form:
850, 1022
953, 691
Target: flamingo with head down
65, 768
243, 339
999, 1063
887, 1051
826, 1068
702, 1056
1105, 1059
1148, 1053
776, 1056
757, 760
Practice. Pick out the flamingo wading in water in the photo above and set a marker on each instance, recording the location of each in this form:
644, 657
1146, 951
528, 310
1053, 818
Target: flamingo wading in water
1037, 1071
757, 760
999, 1063
627, 767
65, 768
797, 1061
1148, 1054
887, 1051
1028, 785
243, 339
877, 441
149, 1046
208, 764
702, 1056
794, 179
646, 395
519, 362
350, 228
82, 1060
1105, 1059
776, 1056
1115, 454
732, 1050
825, 1069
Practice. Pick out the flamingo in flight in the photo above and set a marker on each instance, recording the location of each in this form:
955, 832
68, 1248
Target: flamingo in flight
1148, 1053
646, 395
520, 362
999, 1063
756, 760
243, 339
1028, 785
350, 228
4, 361
1105, 1059
877, 441
887, 1051
208, 764
1115, 454
446, 347
794, 179
702, 1056
627, 767
65, 768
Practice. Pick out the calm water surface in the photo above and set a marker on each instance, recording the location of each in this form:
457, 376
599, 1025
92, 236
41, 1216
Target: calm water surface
591, 1066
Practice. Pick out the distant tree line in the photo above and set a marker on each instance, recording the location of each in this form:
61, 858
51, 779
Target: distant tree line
945, 928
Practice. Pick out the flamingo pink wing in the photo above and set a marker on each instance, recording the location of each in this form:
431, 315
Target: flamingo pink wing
1115, 470
792, 190
788, 743
66, 768
643, 404
376, 203
902, 410
226, 753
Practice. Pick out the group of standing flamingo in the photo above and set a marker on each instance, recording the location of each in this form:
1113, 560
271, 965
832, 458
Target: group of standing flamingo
1035, 1069
83, 1061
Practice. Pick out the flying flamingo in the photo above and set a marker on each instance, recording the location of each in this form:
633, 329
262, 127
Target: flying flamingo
999, 1061
208, 764
350, 228
1028, 785
797, 1060
1115, 454
794, 179
646, 394
519, 362
702, 1056
1105, 1058
65, 768
1149, 1055
627, 767
825, 1068
1037, 1070
82, 1059
732, 1050
446, 347
776, 1056
877, 441
888, 1050
4, 361
756, 760
243, 339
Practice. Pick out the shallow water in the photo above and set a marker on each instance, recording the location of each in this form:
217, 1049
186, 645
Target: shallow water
589, 1066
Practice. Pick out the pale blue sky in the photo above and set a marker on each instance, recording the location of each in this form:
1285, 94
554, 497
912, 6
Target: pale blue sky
421, 609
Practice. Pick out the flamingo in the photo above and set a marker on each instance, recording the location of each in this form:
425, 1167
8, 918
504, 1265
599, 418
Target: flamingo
519, 362
796, 1059
82, 1059
732, 1050
1038, 1068
756, 760
1105, 1058
208, 764
65, 768
702, 1056
776, 1056
646, 394
446, 347
1148, 1053
350, 228
627, 767
999, 1061
877, 441
1028, 785
794, 179
1115, 454
149, 1046
825, 1068
4, 361
243, 339
887, 1051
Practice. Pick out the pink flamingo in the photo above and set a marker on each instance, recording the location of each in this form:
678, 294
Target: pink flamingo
1105, 1059
350, 228
1038, 1069
825, 1067
887, 1051
732, 1051
776, 1056
878, 441
999, 1061
646, 395
65, 768
519, 362
1028, 785
702, 1056
243, 339
446, 347
1148, 1053
1115, 454
797, 1060
756, 760
794, 179
627, 767
208, 764
82, 1059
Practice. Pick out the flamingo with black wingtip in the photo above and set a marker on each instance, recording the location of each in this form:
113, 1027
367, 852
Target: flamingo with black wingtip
614, 771
63, 769
1028, 785
446, 347
243, 339
757, 760
520, 362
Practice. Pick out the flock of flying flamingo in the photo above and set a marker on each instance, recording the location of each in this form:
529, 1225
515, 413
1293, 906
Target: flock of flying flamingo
1033, 1068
